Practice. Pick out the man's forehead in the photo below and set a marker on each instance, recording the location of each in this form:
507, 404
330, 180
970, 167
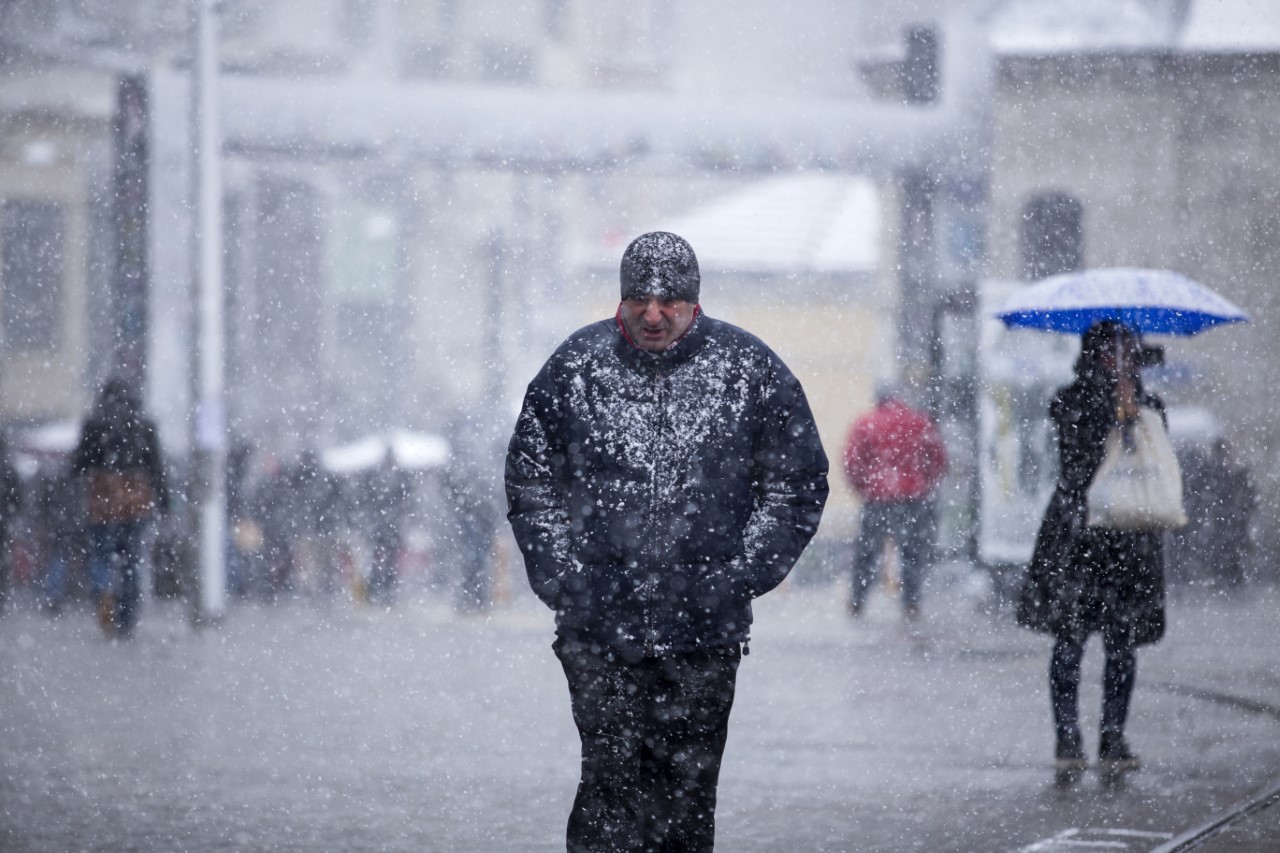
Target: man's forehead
646, 298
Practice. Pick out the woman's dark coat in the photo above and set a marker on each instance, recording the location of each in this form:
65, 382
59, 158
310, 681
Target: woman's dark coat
654, 495
1083, 579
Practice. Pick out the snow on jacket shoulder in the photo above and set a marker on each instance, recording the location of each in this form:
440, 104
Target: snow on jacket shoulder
654, 494
894, 453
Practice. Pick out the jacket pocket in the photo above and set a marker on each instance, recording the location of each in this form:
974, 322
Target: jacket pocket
702, 601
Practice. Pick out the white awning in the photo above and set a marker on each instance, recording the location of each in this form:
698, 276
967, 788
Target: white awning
410, 450
789, 224
805, 224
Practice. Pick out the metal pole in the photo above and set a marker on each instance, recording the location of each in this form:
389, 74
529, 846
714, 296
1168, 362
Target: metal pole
209, 445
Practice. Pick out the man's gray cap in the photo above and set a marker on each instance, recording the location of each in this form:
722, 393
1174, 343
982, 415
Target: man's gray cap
660, 264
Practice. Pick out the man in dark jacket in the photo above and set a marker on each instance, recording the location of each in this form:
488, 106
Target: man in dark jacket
119, 458
664, 471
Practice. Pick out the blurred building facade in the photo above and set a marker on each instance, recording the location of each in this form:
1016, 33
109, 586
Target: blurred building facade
55, 154
370, 284
364, 287
1158, 154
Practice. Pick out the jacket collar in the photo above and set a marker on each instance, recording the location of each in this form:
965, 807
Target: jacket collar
681, 349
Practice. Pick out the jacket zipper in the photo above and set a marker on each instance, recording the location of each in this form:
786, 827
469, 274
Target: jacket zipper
651, 582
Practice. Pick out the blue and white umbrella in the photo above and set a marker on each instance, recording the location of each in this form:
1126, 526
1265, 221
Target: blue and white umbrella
1153, 302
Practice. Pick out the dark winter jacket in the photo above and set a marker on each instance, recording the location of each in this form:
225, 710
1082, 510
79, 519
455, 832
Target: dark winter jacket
119, 454
1083, 579
653, 495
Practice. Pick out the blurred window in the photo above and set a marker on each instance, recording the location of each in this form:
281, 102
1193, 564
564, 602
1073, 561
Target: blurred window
428, 61
555, 18
355, 21
505, 62
1052, 235
447, 14
32, 245
623, 38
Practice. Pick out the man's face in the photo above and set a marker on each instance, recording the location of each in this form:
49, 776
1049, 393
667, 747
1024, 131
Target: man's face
655, 323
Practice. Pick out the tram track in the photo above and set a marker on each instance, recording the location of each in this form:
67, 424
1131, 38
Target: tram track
1241, 703
1261, 800
1197, 836
1266, 798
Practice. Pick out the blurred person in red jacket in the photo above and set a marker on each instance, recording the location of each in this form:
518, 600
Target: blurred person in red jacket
894, 459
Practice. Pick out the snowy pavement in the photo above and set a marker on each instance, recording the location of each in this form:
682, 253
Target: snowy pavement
306, 728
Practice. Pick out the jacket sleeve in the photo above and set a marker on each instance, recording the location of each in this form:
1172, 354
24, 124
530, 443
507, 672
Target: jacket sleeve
789, 481
537, 491
935, 454
855, 457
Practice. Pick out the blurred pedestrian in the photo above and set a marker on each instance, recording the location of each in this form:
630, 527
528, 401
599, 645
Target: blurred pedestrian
387, 494
1084, 580
1235, 500
1189, 549
315, 508
243, 537
664, 471
55, 503
10, 504
894, 460
473, 522
270, 508
119, 458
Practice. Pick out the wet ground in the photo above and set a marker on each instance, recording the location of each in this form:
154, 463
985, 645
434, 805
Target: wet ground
307, 727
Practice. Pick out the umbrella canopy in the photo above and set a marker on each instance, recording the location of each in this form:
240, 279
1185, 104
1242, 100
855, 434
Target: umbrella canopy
409, 449
1154, 302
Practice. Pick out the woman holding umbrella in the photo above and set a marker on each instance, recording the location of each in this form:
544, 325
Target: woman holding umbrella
1084, 580
1081, 579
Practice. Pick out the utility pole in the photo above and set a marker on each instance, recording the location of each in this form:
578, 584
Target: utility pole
918, 187
130, 179
209, 421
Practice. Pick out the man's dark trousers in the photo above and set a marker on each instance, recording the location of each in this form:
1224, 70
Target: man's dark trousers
653, 732
910, 525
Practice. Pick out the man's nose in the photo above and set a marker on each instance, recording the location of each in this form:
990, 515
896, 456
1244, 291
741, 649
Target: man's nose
653, 311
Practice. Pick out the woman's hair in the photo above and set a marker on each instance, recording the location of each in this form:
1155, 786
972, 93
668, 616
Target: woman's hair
1102, 338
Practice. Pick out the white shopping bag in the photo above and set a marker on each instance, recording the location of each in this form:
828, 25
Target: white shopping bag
1138, 486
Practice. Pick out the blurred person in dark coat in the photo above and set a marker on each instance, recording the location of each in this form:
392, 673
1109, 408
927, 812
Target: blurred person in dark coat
119, 459
244, 536
315, 507
665, 470
58, 524
10, 504
472, 526
386, 496
1235, 501
1188, 549
269, 506
1084, 580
